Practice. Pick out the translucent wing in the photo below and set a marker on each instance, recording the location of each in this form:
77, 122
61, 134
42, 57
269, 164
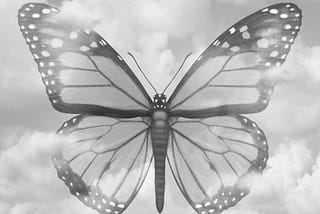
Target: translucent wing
215, 167
232, 75
82, 73
103, 167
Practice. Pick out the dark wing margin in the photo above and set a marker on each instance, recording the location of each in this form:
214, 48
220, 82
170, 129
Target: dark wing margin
234, 74
82, 73
105, 161
215, 168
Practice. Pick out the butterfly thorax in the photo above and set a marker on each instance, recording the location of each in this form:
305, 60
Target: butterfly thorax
159, 102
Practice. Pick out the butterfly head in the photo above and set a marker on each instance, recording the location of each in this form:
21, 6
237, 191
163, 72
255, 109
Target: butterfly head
159, 101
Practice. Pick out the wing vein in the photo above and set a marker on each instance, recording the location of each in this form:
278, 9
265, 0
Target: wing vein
194, 143
117, 87
195, 178
130, 167
202, 87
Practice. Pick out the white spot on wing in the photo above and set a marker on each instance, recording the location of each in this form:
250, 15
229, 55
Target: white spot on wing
45, 53
73, 35
54, 10
32, 26
274, 11
56, 43
265, 10
36, 15
283, 56
45, 11
232, 30
284, 16
198, 206
274, 53
119, 57
263, 43
225, 45
84, 48
243, 28
287, 27
121, 206
94, 45
246, 35
235, 48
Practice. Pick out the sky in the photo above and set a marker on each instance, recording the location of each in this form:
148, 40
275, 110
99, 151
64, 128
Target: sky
160, 33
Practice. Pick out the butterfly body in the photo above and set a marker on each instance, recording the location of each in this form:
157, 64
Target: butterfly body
159, 137
213, 151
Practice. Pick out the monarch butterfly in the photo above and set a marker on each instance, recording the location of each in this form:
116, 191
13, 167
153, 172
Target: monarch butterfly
211, 149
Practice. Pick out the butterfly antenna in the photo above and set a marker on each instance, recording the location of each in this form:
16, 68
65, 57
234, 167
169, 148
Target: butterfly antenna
130, 54
176, 72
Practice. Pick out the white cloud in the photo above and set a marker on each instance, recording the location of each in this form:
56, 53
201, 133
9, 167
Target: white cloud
26, 167
294, 107
145, 27
289, 186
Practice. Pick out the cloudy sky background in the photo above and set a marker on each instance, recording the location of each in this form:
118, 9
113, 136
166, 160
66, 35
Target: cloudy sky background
160, 33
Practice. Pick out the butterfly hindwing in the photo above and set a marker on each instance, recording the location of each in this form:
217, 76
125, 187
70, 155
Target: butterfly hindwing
102, 166
234, 74
215, 168
82, 73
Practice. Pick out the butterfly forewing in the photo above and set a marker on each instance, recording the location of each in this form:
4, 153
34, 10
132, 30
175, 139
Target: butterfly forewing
215, 168
82, 73
102, 166
234, 74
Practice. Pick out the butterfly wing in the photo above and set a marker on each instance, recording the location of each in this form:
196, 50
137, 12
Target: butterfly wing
232, 76
101, 166
214, 169
82, 73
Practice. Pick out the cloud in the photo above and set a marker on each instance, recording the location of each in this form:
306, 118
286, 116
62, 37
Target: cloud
146, 28
28, 180
26, 166
289, 186
152, 31
294, 107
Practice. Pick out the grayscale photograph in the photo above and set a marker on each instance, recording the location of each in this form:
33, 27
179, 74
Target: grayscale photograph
159, 107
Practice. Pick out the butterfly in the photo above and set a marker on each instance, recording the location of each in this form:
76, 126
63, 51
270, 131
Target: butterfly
198, 132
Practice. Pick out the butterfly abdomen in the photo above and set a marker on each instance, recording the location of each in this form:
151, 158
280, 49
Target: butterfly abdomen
159, 134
